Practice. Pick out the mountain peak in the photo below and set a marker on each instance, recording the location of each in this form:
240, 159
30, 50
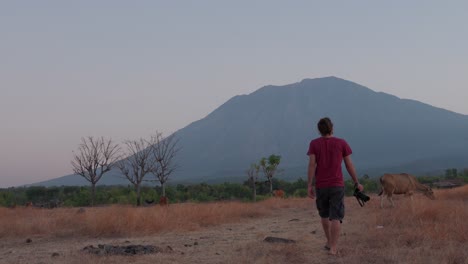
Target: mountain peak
327, 78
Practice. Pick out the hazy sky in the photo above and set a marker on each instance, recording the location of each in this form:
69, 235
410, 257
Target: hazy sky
124, 69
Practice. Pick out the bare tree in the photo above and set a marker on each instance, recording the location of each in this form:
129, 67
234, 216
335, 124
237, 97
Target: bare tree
95, 157
252, 173
164, 152
138, 164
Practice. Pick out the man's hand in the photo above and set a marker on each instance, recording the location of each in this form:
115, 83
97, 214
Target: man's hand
359, 186
311, 192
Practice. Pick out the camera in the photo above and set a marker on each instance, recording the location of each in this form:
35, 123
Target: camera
361, 197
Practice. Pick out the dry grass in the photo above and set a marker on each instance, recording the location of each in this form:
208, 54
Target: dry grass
425, 231
127, 220
460, 193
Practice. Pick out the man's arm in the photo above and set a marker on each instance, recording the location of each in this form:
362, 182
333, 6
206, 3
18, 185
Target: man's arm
311, 176
352, 172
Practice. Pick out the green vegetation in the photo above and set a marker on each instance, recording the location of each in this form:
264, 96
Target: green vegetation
269, 167
80, 195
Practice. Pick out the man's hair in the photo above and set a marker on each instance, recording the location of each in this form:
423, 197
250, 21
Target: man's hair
325, 126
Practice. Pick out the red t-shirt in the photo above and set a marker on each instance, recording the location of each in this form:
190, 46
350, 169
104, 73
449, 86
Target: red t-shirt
329, 153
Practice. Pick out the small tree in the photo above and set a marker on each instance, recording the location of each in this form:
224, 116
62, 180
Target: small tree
252, 173
270, 167
164, 151
451, 173
95, 157
138, 164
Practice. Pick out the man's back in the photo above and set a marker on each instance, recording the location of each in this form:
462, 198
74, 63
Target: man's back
329, 153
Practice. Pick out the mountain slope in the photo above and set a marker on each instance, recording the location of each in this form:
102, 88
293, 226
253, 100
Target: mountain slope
385, 132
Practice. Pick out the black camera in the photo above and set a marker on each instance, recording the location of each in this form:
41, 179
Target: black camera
361, 197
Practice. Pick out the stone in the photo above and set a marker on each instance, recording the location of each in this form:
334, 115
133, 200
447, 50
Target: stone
123, 250
278, 240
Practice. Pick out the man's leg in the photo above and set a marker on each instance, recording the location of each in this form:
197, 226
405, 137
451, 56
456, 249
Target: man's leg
323, 208
336, 215
326, 230
335, 227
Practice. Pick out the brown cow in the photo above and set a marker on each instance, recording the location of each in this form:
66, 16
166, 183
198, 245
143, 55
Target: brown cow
163, 201
402, 183
278, 193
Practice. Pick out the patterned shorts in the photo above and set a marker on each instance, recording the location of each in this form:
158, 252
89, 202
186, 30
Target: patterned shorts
330, 203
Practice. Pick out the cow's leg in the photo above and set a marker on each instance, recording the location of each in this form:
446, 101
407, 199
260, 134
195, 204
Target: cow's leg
389, 196
410, 194
412, 206
384, 194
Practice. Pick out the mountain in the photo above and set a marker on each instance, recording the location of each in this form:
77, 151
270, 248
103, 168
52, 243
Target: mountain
386, 133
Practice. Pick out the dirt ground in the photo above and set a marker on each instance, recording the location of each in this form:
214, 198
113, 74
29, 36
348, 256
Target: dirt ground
240, 242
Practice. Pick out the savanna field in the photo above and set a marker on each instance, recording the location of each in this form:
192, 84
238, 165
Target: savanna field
425, 231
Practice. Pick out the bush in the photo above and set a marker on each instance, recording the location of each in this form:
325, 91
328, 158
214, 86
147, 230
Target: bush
300, 193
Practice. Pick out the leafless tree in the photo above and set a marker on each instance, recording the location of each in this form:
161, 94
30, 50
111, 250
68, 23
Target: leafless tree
95, 157
164, 152
252, 173
139, 163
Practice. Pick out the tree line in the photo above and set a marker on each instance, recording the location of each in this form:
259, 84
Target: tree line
77, 196
74, 196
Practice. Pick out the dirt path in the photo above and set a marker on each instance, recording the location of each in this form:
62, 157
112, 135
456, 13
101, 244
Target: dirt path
240, 242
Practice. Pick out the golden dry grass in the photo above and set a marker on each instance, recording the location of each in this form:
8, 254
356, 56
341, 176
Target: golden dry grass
425, 231
127, 220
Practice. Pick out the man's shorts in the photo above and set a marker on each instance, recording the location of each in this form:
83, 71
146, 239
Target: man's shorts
330, 202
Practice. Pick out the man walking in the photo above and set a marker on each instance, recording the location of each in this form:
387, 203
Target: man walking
325, 179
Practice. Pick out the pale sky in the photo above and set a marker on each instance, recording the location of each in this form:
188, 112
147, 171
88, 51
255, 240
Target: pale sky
124, 69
